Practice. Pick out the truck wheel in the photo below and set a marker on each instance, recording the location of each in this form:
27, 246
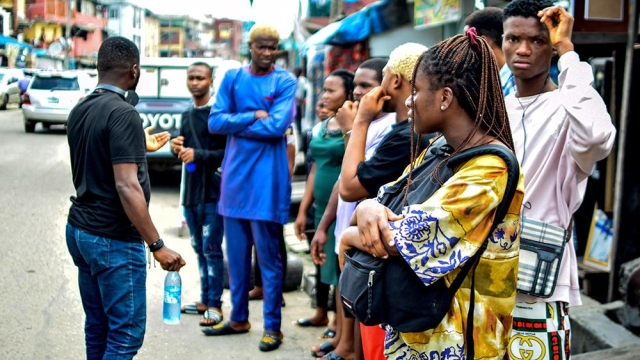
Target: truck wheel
292, 280
5, 102
226, 275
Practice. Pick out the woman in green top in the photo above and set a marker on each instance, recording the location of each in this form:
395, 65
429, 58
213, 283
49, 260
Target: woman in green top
327, 149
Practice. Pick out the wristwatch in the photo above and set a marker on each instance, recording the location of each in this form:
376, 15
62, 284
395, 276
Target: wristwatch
159, 244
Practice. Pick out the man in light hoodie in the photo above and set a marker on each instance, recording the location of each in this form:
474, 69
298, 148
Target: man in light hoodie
559, 132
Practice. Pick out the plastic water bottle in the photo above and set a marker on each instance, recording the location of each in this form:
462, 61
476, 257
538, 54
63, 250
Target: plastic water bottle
172, 295
191, 167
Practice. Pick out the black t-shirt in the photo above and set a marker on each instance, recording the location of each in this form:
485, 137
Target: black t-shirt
203, 184
392, 156
104, 130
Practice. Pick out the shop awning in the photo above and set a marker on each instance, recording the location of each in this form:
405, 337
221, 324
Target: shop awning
372, 19
9, 40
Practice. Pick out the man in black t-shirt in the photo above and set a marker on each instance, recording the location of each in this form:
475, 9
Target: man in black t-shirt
109, 222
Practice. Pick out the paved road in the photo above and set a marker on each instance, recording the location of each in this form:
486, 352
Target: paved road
41, 315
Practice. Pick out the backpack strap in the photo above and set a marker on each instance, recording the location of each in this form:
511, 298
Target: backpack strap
513, 171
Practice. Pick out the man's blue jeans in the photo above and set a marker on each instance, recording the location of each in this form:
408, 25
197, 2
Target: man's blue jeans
206, 231
112, 279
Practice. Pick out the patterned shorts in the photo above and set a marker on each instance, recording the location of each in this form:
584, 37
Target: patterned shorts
541, 331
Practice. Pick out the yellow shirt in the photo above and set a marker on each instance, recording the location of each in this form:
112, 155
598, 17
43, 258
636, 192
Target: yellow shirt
438, 236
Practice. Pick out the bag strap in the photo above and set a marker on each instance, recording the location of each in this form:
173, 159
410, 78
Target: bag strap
513, 176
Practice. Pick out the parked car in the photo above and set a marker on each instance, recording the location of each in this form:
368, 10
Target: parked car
51, 95
9, 87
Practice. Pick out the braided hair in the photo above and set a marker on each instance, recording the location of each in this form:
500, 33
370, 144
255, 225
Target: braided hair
466, 65
347, 81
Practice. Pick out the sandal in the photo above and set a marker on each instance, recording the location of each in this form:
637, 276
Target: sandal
328, 334
333, 356
211, 315
323, 349
306, 322
222, 329
269, 342
192, 309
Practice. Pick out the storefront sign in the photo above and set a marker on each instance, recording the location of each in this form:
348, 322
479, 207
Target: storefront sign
428, 13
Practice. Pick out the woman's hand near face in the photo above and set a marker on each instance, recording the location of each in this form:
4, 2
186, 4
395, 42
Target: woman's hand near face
372, 220
346, 115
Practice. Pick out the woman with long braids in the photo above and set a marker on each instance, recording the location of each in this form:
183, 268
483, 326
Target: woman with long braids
456, 92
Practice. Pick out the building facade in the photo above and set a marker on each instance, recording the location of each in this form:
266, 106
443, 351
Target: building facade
48, 28
126, 18
151, 35
13, 18
179, 36
227, 38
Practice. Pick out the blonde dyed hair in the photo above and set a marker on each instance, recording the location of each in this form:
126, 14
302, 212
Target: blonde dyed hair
263, 30
404, 58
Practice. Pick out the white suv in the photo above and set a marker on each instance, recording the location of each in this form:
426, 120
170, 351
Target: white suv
9, 88
51, 96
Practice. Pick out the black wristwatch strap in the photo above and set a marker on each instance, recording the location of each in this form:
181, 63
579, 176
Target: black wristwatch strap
159, 244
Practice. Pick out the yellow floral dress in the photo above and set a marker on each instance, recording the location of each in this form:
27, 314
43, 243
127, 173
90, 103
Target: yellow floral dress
438, 236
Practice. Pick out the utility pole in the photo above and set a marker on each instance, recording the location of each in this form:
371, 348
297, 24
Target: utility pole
67, 34
336, 9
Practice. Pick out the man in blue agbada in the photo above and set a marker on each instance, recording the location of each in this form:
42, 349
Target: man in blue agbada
254, 107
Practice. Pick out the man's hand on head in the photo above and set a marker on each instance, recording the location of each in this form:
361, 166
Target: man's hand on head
155, 141
560, 25
371, 104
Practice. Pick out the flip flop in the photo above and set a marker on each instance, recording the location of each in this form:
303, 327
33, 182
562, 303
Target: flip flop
324, 349
333, 356
306, 322
191, 309
328, 334
222, 329
211, 314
